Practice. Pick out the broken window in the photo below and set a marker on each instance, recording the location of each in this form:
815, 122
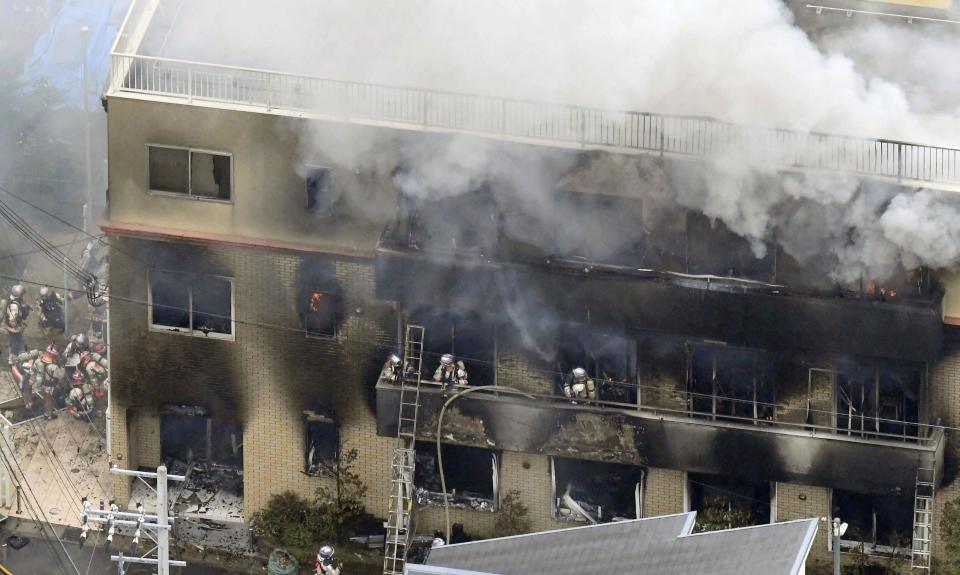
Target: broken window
610, 359
598, 228
724, 502
468, 337
467, 221
209, 451
472, 475
877, 397
320, 319
731, 382
712, 249
596, 492
191, 303
323, 439
318, 186
882, 523
188, 172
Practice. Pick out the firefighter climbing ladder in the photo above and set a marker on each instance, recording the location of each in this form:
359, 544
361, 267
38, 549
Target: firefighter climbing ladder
400, 506
923, 517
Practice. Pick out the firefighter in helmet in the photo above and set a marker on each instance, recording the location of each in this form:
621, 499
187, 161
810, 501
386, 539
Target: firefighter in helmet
391, 369
13, 318
51, 318
327, 563
450, 372
579, 385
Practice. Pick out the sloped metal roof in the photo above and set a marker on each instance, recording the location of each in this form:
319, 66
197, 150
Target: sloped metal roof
658, 545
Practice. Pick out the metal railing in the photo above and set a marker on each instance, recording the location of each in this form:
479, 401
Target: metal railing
542, 123
925, 436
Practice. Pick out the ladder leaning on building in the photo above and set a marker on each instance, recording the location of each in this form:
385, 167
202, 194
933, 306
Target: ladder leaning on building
400, 505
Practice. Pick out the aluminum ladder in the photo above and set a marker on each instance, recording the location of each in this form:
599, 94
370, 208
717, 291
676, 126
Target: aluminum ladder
923, 518
400, 505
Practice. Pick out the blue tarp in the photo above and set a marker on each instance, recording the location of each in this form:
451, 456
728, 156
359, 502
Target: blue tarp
57, 56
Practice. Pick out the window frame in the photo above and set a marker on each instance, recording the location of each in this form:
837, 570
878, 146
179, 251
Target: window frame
190, 331
306, 193
338, 315
190, 195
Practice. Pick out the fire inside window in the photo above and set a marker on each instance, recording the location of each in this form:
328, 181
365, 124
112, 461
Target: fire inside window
321, 317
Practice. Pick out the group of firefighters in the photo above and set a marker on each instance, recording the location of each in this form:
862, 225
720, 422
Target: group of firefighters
578, 385
75, 376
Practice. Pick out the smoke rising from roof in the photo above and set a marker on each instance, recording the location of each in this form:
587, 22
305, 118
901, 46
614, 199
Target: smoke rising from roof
746, 64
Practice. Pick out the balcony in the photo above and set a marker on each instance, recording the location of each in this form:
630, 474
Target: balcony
744, 312
676, 439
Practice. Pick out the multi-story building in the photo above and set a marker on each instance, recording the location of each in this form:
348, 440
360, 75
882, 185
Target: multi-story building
259, 283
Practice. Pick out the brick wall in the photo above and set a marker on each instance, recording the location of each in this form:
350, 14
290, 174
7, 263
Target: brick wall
663, 492
803, 502
944, 392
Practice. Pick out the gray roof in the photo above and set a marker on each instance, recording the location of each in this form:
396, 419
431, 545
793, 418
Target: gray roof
657, 545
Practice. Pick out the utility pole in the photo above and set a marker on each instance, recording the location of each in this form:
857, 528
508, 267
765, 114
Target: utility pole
160, 524
838, 530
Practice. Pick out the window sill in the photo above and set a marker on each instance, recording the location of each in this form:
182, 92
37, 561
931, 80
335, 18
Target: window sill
192, 333
322, 337
191, 197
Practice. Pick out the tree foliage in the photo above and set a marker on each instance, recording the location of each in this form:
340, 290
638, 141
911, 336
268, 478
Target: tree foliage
512, 516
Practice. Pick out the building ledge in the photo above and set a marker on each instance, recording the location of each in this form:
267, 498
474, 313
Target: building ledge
140, 231
622, 433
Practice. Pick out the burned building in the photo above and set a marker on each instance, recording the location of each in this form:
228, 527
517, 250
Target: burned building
260, 280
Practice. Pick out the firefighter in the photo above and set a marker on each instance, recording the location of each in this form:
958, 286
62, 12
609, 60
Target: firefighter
45, 372
78, 345
327, 563
450, 372
51, 318
14, 311
579, 385
89, 373
391, 369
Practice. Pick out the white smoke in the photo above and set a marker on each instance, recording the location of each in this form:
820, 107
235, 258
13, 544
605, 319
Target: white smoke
745, 62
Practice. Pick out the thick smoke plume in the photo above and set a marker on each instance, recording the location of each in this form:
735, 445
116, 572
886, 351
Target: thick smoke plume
745, 62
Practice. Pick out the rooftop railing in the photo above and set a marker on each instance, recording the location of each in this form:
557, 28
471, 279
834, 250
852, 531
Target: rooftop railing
524, 121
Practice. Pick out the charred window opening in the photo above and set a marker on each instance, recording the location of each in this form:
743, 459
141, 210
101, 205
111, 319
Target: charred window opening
730, 382
467, 221
319, 191
882, 523
599, 228
724, 502
715, 250
189, 435
321, 300
321, 316
468, 337
596, 492
191, 173
472, 475
874, 397
191, 303
323, 440
609, 358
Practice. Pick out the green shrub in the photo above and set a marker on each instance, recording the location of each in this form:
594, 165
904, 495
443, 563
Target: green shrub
511, 517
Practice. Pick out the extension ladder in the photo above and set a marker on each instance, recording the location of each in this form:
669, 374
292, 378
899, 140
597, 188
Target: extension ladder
923, 518
400, 505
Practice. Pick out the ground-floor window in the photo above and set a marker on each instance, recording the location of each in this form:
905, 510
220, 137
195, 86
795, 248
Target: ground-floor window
323, 441
596, 492
876, 523
472, 475
723, 502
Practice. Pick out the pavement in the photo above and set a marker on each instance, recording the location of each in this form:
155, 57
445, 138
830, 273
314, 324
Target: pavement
39, 557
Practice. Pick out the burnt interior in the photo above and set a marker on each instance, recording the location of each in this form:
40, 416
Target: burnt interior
723, 502
732, 382
471, 475
323, 442
469, 337
875, 396
211, 449
320, 300
610, 358
879, 522
605, 491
